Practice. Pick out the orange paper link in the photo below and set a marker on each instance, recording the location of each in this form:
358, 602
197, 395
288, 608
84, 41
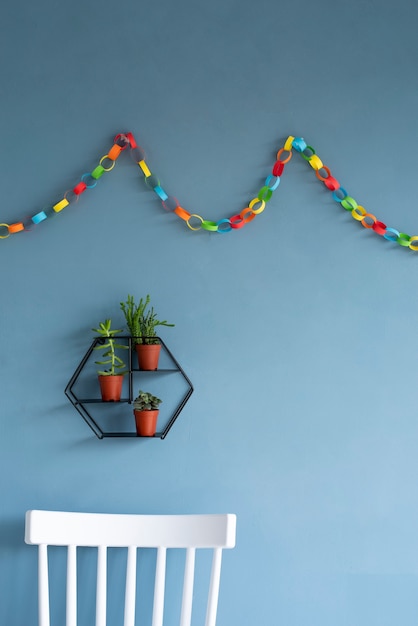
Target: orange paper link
114, 152
15, 228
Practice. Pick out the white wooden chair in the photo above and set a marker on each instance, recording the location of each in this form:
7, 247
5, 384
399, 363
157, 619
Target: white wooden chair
103, 531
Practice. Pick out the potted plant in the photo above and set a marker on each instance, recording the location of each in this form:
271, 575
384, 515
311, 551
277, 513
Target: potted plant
142, 322
110, 379
146, 413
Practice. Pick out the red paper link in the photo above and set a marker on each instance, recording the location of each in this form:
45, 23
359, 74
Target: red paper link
78, 189
278, 168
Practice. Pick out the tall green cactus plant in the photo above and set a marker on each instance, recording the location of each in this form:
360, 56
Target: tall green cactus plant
140, 321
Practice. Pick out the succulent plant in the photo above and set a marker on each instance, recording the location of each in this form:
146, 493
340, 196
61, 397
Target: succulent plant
145, 401
110, 346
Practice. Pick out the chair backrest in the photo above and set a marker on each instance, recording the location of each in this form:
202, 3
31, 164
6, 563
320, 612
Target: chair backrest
102, 531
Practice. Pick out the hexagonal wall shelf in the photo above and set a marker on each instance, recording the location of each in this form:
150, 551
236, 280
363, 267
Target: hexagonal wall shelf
113, 419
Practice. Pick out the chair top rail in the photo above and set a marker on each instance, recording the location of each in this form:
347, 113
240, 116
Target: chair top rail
61, 528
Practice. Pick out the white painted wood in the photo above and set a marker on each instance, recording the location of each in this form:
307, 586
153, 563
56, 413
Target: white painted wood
101, 586
71, 604
159, 588
43, 586
59, 528
130, 589
214, 588
99, 530
187, 601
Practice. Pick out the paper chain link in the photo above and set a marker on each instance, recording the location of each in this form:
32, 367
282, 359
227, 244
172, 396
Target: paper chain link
196, 222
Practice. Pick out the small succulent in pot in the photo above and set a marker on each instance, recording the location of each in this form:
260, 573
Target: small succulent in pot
145, 401
146, 413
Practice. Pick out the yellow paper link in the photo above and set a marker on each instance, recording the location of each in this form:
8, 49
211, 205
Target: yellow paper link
8, 232
359, 212
144, 168
107, 169
260, 208
288, 143
315, 162
413, 247
195, 227
60, 205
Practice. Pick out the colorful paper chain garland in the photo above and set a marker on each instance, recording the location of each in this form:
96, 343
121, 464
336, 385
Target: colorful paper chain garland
196, 222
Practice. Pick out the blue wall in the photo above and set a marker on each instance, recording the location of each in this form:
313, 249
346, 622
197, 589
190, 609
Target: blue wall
298, 331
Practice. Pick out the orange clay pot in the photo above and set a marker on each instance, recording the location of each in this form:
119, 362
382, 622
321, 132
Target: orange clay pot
111, 388
148, 355
146, 422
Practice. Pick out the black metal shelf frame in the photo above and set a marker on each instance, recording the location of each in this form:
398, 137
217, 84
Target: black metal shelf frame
79, 403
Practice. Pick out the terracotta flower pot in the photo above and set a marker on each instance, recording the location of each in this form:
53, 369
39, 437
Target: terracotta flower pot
146, 422
148, 355
111, 388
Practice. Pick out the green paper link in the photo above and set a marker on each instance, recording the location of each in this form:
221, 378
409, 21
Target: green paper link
349, 203
97, 172
265, 194
404, 239
209, 225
